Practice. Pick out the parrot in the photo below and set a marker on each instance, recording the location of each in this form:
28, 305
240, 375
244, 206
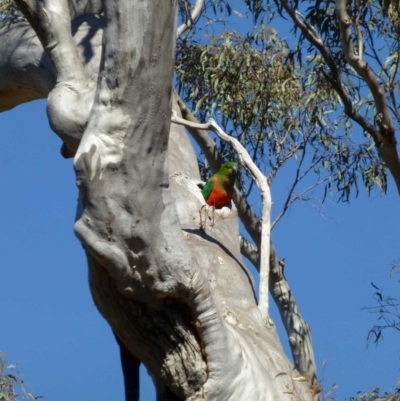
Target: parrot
219, 188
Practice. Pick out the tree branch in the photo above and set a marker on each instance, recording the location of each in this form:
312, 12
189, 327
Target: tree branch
249, 219
250, 251
26, 70
52, 23
297, 329
384, 138
360, 41
70, 101
262, 184
362, 68
190, 18
303, 357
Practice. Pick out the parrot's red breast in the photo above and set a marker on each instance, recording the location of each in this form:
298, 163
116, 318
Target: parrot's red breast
218, 196
219, 188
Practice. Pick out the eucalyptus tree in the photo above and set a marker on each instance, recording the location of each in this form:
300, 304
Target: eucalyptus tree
179, 298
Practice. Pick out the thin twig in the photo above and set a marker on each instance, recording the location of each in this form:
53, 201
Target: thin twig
295, 182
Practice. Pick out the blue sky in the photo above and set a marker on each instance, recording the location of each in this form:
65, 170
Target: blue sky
64, 348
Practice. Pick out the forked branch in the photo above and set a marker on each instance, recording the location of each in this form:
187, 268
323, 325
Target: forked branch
52, 23
295, 325
70, 101
363, 69
262, 184
249, 219
383, 135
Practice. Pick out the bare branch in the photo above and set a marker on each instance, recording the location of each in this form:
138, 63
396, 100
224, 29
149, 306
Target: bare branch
265, 192
52, 23
190, 18
388, 309
296, 328
296, 180
250, 251
70, 101
26, 70
305, 364
249, 219
263, 186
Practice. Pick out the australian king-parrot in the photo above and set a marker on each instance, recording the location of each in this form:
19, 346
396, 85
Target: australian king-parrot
219, 188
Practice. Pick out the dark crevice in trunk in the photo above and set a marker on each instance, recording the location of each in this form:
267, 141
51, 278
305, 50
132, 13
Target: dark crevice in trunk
130, 371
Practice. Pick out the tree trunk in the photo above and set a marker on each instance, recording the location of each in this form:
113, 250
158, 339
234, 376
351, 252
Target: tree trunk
178, 298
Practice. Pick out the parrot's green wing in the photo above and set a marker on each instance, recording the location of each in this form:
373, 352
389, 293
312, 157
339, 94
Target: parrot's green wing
208, 188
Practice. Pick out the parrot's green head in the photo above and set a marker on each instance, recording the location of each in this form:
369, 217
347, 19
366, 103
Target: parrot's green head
227, 174
228, 169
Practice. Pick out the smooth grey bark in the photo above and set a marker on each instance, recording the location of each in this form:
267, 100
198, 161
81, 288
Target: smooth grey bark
299, 333
27, 72
179, 298
22, 78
